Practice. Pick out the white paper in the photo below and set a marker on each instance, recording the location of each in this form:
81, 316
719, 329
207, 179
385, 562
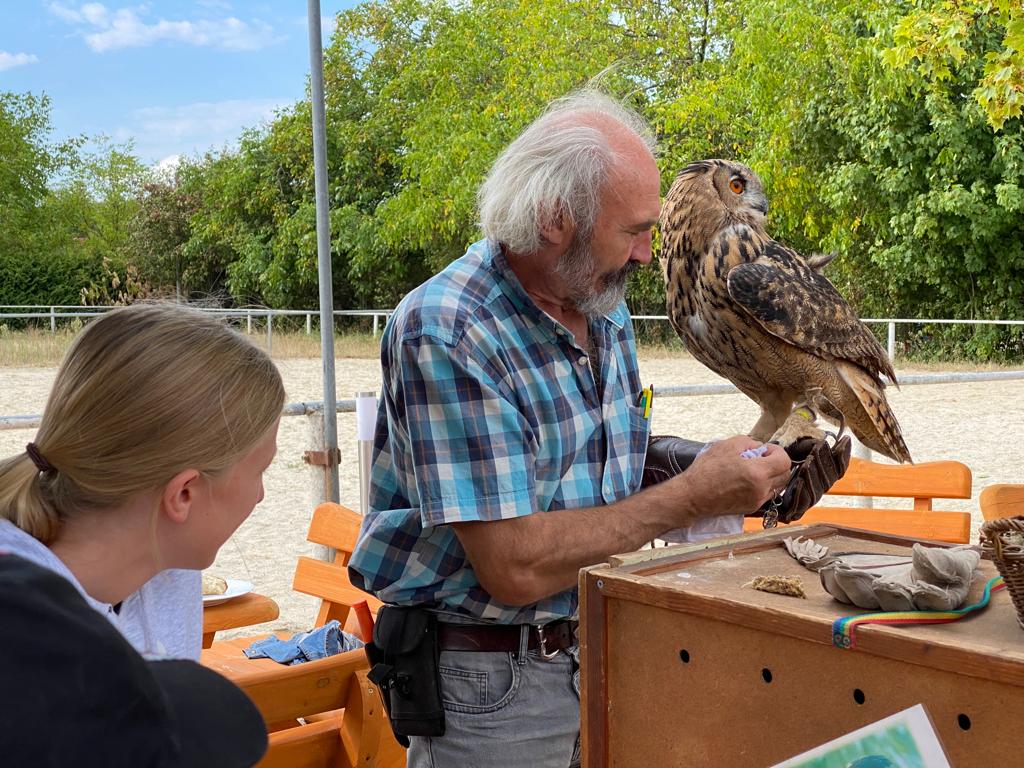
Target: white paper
705, 528
886, 740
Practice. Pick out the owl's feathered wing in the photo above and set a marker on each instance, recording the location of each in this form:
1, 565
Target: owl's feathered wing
795, 304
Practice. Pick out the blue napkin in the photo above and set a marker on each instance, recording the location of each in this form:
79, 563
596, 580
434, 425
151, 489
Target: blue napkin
301, 647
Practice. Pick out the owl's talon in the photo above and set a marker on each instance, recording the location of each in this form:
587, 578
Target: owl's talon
837, 436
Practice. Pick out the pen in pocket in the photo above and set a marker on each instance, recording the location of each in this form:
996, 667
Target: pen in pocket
646, 398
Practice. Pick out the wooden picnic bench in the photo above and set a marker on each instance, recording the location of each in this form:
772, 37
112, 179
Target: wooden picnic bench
321, 713
922, 483
1002, 500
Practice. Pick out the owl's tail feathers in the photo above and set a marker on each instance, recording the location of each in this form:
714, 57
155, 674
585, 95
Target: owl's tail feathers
818, 261
875, 425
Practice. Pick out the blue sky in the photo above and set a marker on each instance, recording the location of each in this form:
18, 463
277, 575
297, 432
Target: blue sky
174, 76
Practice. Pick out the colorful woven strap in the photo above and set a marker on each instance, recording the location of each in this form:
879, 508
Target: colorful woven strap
843, 629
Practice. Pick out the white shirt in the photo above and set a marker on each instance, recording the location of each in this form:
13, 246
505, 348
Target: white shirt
164, 619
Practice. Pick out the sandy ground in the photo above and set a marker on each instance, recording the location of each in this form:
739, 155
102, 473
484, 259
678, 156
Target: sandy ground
976, 423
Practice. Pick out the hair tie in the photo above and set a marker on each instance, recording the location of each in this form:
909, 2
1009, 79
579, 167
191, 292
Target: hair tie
37, 458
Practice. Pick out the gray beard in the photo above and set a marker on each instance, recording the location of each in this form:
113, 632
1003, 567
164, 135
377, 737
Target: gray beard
576, 269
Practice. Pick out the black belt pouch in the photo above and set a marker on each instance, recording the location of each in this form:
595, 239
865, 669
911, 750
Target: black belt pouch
404, 658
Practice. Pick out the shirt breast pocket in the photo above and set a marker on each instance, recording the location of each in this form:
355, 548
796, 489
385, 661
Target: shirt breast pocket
639, 433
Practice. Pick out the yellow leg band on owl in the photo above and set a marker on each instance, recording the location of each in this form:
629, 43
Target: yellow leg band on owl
807, 413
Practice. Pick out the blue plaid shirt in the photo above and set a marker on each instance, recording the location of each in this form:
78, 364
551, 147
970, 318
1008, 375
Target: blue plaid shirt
489, 411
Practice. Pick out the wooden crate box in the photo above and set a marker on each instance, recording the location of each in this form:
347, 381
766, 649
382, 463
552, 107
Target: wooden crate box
683, 665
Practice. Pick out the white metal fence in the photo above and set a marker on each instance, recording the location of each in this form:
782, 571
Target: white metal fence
56, 312
59, 312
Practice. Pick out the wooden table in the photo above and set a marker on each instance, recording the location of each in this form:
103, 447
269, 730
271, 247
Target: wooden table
684, 665
237, 612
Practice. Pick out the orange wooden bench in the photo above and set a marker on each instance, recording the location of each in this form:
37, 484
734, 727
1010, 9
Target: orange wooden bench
350, 735
922, 483
1002, 500
343, 722
337, 527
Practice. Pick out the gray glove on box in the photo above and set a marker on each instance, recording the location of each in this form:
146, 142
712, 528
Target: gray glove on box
931, 579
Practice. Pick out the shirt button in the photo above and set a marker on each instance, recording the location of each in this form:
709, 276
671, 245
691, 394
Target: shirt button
583, 360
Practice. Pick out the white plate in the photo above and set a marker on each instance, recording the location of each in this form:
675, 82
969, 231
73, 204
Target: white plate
236, 588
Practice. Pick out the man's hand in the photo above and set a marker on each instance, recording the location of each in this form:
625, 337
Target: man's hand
721, 481
816, 467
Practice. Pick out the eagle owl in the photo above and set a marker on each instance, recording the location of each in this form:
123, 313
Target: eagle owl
761, 315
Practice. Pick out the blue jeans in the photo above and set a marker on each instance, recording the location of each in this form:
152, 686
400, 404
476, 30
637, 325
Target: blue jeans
503, 710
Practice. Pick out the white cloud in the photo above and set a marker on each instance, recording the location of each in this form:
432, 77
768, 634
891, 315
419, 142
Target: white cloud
206, 116
107, 30
96, 14
65, 13
160, 132
166, 168
12, 60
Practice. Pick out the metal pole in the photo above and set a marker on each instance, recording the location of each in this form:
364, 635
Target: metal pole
376, 319
892, 341
861, 451
323, 245
309, 323
53, 320
248, 321
270, 333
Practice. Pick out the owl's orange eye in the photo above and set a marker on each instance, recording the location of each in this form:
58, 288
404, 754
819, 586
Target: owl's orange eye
737, 185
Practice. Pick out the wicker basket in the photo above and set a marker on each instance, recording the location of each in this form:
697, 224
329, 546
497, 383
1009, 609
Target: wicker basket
1003, 542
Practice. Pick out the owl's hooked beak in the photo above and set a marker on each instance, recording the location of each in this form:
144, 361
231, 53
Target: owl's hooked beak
761, 204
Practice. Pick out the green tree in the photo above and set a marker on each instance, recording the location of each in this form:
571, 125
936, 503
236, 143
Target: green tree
423, 95
252, 218
159, 233
99, 196
888, 132
937, 38
37, 262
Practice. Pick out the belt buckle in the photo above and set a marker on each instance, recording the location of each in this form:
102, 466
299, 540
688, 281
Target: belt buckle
542, 638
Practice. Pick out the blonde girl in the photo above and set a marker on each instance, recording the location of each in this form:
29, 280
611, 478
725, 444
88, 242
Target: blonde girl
150, 454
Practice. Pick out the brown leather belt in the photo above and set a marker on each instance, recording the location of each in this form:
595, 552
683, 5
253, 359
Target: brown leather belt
549, 638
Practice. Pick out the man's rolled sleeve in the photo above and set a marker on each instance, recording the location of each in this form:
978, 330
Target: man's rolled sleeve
471, 448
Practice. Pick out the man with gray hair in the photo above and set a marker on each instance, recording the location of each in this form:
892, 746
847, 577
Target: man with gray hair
509, 448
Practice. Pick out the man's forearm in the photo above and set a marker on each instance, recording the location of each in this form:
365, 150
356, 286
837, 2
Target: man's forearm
522, 560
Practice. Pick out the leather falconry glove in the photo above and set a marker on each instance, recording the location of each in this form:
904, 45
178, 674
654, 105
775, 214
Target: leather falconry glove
667, 456
816, 467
